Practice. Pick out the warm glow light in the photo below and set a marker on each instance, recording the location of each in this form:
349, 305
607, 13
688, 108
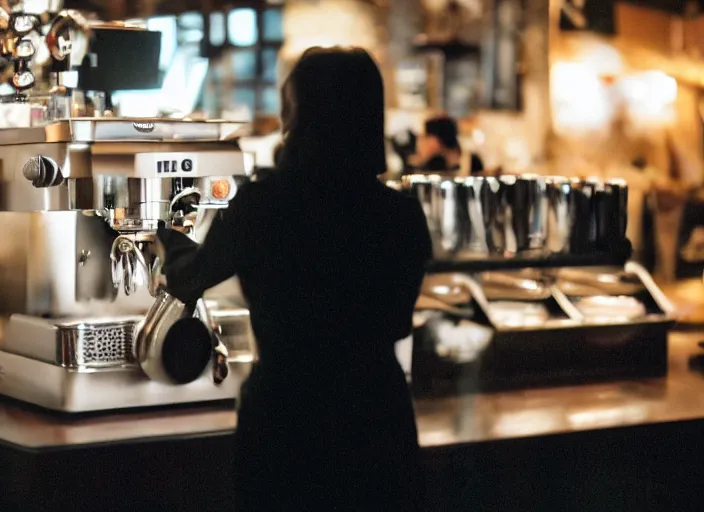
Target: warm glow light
649, 98
343, 23
478, 137
579, 98
603, 59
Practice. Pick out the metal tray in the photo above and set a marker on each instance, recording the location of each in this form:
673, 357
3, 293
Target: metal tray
113, 129
80, 390
571, 350
80, 343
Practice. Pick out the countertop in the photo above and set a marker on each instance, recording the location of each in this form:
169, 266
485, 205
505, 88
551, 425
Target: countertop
444, 421
537, 412
33, 429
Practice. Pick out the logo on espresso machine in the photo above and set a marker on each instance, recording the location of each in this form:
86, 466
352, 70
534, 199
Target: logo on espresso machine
144, 127
173, 166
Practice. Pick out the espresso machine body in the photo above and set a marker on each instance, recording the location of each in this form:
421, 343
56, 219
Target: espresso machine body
82, 192
73, 194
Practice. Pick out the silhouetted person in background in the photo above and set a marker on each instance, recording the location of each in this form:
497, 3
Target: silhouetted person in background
476, 164
331, 262
438, 149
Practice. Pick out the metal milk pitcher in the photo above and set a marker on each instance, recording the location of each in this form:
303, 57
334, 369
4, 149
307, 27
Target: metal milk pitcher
175, 342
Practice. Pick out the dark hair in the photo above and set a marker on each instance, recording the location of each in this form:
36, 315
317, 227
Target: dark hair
445, 129
333, 115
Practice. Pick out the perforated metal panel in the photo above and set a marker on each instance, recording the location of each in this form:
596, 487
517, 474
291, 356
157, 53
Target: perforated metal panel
100, 345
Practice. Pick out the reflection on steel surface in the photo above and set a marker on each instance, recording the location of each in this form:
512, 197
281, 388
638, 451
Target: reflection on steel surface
57, 388
608, 417
607, 309
531, 422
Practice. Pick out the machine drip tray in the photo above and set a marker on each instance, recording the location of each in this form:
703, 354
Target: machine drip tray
75, 391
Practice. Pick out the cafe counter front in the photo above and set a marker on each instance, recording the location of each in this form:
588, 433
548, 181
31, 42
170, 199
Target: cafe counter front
628, 445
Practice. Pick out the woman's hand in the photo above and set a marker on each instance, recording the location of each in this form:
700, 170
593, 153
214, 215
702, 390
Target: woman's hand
159, 282
173, 244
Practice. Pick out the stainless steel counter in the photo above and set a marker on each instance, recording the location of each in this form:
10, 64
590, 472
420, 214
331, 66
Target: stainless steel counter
35, 430
446, 421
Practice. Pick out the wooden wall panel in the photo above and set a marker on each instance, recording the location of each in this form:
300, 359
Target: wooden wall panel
693, 37
643, 26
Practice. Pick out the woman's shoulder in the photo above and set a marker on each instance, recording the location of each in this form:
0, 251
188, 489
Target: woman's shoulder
403, 202
253, 192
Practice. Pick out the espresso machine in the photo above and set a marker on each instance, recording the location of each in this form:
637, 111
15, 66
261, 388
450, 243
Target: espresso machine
82, 192
532, 285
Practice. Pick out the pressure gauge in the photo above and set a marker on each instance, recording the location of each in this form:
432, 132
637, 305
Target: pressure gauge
25, 50
23, 80
23, 24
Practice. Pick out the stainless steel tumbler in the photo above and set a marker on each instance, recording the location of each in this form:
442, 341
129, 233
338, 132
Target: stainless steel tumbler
559, 214
524, 202
611, 213
583, 207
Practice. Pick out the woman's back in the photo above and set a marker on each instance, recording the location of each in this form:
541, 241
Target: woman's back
331, 278
329, 270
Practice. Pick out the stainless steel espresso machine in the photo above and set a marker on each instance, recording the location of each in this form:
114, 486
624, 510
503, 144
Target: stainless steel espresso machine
80, 201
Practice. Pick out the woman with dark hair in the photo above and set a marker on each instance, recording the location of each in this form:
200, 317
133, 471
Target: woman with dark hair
331, 262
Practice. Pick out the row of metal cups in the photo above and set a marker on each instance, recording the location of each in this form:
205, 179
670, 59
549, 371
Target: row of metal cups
524, 215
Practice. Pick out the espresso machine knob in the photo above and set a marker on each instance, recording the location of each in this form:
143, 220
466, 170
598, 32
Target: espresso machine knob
42, 171
23, 80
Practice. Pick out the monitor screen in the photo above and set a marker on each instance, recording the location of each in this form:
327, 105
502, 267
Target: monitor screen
121, 60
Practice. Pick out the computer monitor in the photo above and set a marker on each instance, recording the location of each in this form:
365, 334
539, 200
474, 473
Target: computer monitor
121, 59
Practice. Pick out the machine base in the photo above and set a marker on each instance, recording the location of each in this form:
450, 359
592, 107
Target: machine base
75, 391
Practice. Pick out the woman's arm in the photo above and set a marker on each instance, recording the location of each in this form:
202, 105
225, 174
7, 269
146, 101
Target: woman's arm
190, 273
417, 251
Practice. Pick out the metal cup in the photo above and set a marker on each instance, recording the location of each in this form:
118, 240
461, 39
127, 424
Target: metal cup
611, 201
493, 213
559, 214
472, 219
421, 186
486, 216
449, 217
524, 203
583, 207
